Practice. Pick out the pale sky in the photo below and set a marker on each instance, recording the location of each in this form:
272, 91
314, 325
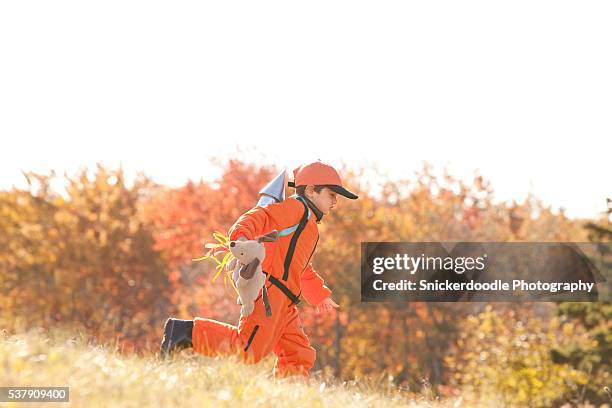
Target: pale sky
520, 90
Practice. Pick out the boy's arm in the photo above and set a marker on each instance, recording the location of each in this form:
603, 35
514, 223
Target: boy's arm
313, 287
261, 220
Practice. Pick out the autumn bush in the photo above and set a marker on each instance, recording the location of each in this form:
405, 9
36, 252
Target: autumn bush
505, 356
82, 256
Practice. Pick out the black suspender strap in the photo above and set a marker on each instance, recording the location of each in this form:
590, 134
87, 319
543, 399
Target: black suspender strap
294, 239
294, 299
266, 300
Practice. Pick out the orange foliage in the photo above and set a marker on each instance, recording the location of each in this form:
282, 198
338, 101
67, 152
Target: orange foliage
183, 221
82, 257
117, 259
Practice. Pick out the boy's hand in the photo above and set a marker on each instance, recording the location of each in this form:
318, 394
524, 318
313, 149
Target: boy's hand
327, 305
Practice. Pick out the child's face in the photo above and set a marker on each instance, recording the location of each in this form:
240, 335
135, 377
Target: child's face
325, 200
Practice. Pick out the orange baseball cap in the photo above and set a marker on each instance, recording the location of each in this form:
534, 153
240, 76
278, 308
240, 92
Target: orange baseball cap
319, 173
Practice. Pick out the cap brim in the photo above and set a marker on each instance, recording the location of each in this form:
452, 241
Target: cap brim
342, 191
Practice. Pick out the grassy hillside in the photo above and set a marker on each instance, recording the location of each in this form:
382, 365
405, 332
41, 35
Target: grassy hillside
100, 376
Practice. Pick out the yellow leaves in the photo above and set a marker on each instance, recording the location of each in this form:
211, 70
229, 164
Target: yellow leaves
536, 383
19, 364
580, 377
486, 326
25, 256
103, 238
514, 359
521, 395
57, 276
362, 347
63, 217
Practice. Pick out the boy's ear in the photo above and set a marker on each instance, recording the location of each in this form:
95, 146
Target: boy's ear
269, 237
247, 271
309, 190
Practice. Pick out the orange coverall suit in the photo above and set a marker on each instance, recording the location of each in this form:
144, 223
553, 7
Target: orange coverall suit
257, 335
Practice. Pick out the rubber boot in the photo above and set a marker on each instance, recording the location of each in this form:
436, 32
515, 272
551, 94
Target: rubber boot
177, 336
